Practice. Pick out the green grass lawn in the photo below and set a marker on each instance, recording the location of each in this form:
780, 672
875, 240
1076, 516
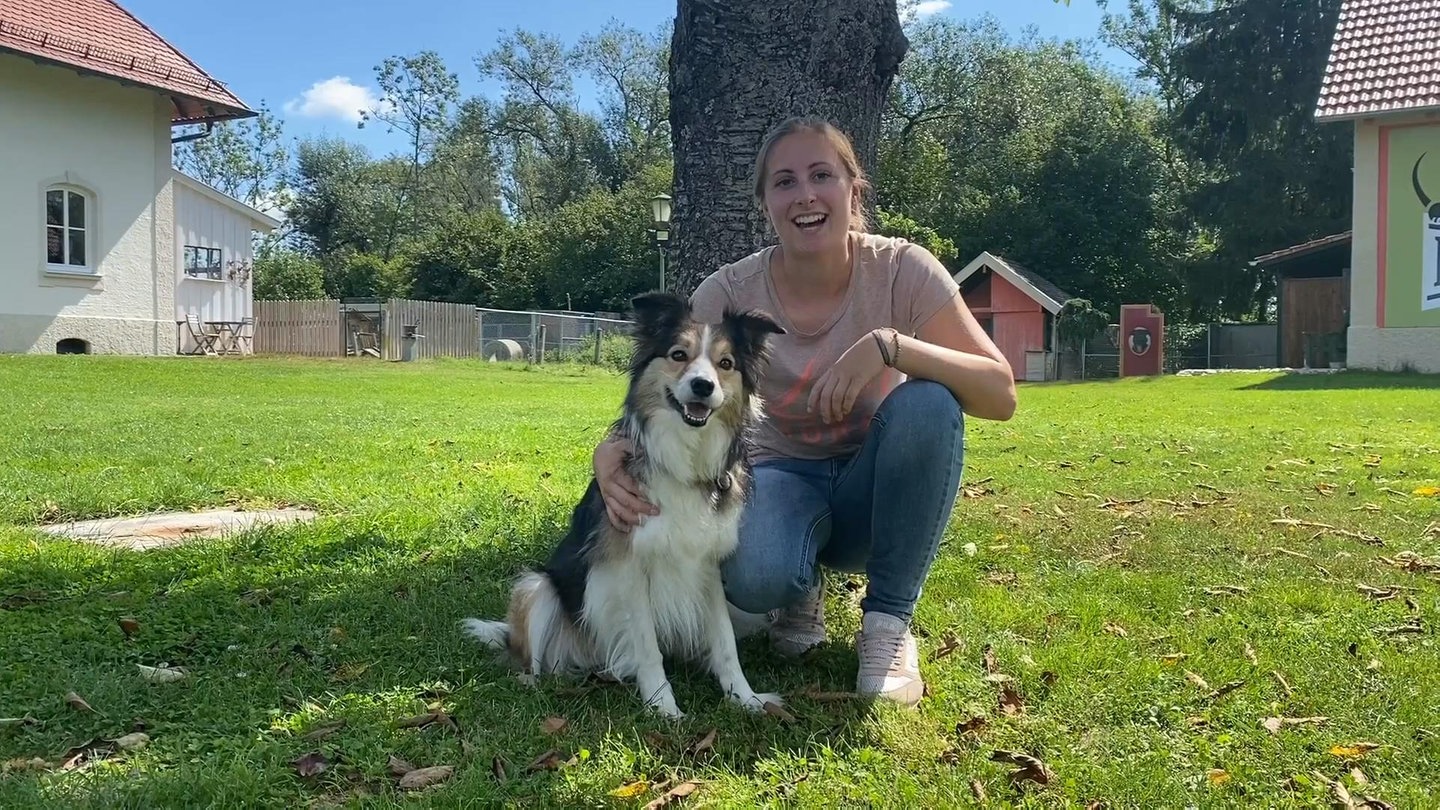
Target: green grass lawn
1158, 568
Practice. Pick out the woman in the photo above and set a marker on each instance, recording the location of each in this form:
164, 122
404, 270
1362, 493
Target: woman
858, 463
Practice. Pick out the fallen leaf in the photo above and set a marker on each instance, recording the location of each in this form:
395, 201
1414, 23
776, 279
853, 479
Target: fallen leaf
76, 702
972, 726
497, 768
1010, 702
427, 719
1353, 750
27, 720
1197, 722
549, 761
1197, 680
1049, 678
948, 644
1427, 492
1115, 629
1174, 658
398, 766
977, 789
162, 674
777, 711
1029, 768
680, 791
350, 671
1227, 590
631, 790
553, 725
324, 730
1250, 654
1224, 690
128, 626
133, 741
1284, 684
704, 745
1378, 594
1374, 665
987, 660
425, 777
312, 764
1275, 724
1359, 776
1218, 776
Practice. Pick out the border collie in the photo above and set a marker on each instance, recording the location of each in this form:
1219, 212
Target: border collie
614, 603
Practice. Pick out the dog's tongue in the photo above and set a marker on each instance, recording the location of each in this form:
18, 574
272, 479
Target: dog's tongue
696, 410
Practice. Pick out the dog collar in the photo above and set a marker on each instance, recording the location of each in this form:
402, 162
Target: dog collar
723, 483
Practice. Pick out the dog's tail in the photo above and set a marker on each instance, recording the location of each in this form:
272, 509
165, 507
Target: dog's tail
537, 632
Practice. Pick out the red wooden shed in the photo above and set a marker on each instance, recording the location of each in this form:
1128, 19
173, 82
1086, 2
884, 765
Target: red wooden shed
1017, 308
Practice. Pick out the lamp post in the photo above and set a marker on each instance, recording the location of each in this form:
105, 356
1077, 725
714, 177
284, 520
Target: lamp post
660, 209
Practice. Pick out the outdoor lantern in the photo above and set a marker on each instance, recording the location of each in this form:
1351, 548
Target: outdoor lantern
660, 207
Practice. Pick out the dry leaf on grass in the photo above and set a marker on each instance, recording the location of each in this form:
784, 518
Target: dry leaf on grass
1284, 684
312, 764
1218, 776
1115, 629
1198, 681
974, 725
1028, 768
1275, 724
425, 777
128, 626
78, 703
133, 741
777, 711
1174, 658
1250, 654
676, 793
324, 730
398, 766
948, 644
631, 790
1010, 702
428, 719
551, 760
497, 768
1353, 750
1224, 690
977, 789
703, 745
553, 725
987, 660
161, 674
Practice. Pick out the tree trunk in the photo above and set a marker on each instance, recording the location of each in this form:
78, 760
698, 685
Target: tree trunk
739, 67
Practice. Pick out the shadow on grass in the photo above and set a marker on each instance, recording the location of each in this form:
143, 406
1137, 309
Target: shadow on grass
1348, 380
289, 628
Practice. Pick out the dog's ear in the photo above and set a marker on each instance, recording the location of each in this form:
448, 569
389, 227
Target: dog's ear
750, 331
659, 311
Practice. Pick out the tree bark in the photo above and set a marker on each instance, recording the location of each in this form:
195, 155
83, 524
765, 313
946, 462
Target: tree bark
739, 67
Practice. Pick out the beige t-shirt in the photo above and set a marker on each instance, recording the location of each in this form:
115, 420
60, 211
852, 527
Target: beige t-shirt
893, 284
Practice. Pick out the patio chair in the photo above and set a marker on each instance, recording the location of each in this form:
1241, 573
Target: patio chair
204, 339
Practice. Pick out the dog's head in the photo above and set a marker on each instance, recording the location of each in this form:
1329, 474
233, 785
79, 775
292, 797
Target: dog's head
698, 369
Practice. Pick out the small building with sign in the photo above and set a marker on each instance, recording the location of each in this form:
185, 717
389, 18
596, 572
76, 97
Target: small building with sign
1382, 80
1017, 308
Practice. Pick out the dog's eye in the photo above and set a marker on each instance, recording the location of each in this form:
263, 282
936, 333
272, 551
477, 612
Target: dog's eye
679, 356
726, 363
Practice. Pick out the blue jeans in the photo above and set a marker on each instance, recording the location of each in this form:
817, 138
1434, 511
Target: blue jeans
882, 510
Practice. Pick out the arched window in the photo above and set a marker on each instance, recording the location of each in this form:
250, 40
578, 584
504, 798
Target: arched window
67, 221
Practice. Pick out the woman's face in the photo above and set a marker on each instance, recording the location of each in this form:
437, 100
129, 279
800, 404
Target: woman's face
807, 193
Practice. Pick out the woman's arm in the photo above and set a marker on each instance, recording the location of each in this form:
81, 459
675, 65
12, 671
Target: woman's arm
952, 349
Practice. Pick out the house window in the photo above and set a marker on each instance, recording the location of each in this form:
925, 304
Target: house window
202, 262
66, 221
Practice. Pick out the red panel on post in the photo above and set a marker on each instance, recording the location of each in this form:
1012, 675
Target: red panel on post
1142, 338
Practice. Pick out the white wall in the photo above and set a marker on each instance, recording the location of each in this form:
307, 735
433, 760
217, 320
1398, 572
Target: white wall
58, 126
203, 221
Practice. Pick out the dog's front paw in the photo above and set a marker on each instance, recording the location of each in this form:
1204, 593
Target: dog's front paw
756, 702
669, 709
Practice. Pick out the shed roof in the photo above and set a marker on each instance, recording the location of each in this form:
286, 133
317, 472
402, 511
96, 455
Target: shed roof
1382, 59
1302, 249
101, 38
1027, 281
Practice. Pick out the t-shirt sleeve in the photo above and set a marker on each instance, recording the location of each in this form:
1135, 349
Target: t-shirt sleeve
922, 286
710, 299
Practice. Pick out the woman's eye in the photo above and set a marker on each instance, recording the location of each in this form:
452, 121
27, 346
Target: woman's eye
726, 363
678, 356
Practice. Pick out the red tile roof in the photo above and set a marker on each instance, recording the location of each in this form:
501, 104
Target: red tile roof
1382, 59
98, 36
1302, 249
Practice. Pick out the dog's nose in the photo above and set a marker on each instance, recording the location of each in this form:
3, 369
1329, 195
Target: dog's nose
702, 387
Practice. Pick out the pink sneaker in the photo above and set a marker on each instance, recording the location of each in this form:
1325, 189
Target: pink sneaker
889, 660
796, 629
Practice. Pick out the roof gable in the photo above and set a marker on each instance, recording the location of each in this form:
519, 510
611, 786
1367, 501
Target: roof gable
100, 37
259, 218
1044, 293
1382, 59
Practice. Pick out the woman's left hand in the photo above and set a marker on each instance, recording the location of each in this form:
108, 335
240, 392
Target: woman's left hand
833, 395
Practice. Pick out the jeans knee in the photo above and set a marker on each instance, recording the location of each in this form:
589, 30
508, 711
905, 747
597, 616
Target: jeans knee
925, 401
761, 591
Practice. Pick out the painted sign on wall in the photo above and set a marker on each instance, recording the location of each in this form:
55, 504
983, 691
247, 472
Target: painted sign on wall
1410, 227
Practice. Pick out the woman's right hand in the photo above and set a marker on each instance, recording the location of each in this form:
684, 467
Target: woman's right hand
624, 502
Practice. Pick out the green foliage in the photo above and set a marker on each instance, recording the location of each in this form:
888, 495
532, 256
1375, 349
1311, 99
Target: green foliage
285, 274
1079, 321
904, 227
366, 275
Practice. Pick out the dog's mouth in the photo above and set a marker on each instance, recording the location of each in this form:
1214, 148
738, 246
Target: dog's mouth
695, 414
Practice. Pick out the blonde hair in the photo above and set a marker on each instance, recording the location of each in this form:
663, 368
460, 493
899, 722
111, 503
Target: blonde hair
843, 147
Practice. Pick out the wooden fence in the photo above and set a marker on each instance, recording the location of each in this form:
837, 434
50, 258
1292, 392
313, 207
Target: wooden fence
446, 330
308, 328
333, 328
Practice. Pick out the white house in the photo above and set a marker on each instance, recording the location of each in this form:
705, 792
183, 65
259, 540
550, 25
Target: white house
94, 221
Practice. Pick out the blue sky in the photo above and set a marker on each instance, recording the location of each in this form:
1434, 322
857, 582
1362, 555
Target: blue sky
312, 61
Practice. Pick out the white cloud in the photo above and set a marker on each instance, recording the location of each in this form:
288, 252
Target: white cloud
911, 11
335, 97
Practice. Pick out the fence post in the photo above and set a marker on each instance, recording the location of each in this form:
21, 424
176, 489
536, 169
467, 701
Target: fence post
599, 336
540, 345
1083, 344
1209, 346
